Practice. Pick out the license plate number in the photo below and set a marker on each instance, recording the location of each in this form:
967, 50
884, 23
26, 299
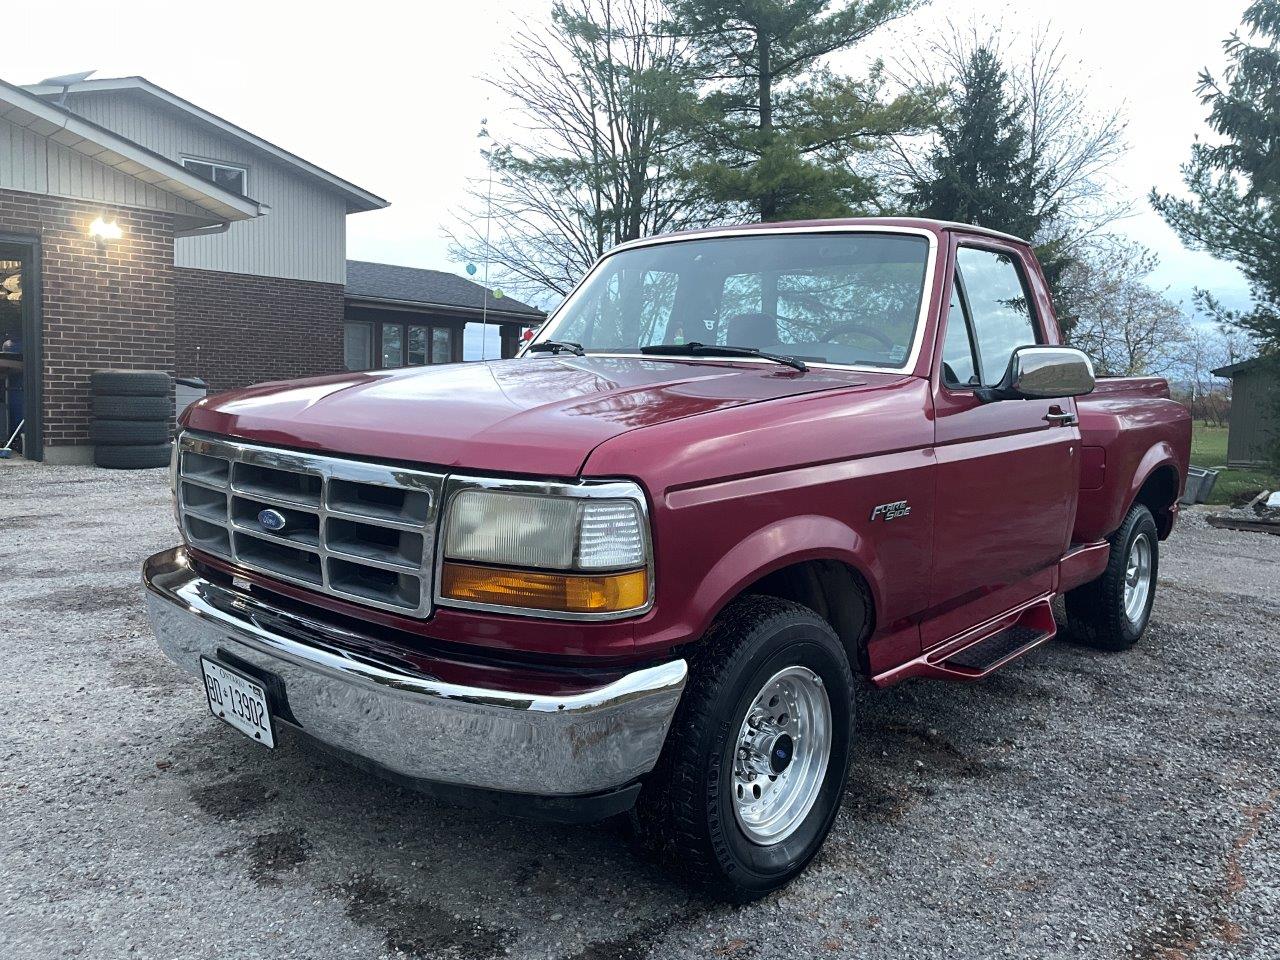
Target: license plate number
239, 701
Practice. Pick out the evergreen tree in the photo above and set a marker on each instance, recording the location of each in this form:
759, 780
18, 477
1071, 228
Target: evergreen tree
777, 131
1235, 210
980, 171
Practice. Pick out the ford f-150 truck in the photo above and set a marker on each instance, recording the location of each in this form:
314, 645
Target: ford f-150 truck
648, 566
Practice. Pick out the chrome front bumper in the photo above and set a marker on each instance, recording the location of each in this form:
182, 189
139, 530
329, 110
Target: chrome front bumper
409, 723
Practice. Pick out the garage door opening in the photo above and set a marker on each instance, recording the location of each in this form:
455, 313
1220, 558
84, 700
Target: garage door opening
20, 377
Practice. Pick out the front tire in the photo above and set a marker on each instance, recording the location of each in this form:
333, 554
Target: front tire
1112, 612
754, 767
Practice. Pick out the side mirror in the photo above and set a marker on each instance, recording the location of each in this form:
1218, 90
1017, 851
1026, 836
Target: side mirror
1042, 373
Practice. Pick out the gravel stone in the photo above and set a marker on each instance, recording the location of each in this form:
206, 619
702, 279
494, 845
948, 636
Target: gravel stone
1076, 804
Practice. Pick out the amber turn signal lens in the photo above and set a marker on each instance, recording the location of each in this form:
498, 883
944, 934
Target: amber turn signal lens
562, 592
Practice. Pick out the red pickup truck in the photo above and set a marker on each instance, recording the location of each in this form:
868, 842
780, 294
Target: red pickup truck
642, 567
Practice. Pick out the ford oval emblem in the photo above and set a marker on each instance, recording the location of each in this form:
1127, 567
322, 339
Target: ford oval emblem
272, 520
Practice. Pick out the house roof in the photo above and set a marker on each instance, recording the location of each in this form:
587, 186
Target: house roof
357, 198
1231, 369
411, 286
19, 107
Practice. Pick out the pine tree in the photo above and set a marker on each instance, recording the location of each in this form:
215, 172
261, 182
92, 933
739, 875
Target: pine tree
1235, 210
777, 131
979, 172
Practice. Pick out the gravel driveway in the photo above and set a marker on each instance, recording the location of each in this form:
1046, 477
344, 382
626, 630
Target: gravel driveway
1075, 805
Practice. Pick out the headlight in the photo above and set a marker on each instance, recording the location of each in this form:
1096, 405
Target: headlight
555, 549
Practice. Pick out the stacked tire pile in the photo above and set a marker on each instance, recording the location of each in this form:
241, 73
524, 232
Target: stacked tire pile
131, 414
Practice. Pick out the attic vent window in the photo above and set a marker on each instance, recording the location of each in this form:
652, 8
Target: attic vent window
224, 175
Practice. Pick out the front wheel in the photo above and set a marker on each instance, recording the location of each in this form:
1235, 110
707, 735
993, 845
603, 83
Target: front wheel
752, 773
1112, 612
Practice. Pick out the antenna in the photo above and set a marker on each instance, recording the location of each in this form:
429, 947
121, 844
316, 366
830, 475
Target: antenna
488, 221
65, 81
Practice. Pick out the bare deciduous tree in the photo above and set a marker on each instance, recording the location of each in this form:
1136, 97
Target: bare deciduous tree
1070, 145
598, 95
1208, 348
1128, 328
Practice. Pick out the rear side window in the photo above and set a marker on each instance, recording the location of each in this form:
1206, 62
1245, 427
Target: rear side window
999, 309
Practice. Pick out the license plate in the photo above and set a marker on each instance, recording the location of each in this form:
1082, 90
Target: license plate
239, 701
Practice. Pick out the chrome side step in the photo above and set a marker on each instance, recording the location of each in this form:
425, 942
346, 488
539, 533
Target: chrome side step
984, 649
985, 655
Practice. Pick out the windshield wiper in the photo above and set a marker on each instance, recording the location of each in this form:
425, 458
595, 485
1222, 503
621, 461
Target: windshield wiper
695, 349
555, 346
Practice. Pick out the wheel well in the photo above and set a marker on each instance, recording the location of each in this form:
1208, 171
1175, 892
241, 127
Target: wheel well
1157, 494
834, 591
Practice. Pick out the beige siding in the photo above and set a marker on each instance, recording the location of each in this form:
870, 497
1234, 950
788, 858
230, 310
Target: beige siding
34, 164
302, 238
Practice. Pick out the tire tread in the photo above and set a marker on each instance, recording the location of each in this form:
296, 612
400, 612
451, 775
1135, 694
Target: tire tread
1095, 614
133, 456
671, 816
134, 433
131, 383
132, 408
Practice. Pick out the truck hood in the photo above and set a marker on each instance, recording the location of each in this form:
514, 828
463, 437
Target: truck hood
534, 416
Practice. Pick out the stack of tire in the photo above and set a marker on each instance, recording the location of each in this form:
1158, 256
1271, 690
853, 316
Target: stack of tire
132, 411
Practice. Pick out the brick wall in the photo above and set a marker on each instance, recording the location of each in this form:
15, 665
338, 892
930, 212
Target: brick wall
234, 329
101, 307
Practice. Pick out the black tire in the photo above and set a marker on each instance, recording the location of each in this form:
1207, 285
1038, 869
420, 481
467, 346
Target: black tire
131, 383
1096, 614
132, 408
133, 457
686, 810
136, 433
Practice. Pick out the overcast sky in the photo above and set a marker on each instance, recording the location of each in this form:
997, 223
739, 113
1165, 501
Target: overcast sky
389, 96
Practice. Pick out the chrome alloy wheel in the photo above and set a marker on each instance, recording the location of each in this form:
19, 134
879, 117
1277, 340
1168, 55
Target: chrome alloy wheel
781, 756
1137, 578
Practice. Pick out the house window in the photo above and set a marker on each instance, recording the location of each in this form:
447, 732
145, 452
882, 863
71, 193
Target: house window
392, 345
358, 346
224, 175
378, 346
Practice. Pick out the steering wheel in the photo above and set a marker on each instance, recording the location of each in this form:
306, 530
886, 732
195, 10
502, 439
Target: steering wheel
853, 326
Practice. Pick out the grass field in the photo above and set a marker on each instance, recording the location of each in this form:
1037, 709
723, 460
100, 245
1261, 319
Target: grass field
1209, 449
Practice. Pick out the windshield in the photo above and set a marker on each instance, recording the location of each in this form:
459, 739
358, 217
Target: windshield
847, 298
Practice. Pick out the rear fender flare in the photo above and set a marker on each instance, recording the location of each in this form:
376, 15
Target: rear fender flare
1161, 455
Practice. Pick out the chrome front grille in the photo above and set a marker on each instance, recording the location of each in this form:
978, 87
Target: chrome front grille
362, 532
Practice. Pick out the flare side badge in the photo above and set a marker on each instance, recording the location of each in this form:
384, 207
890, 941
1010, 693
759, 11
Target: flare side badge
891, 511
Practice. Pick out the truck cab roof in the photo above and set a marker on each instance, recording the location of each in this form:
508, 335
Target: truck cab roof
919, 223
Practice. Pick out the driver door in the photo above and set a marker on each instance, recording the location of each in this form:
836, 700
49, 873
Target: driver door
1008, 471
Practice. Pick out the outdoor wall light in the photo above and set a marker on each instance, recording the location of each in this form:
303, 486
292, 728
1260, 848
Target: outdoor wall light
104, 230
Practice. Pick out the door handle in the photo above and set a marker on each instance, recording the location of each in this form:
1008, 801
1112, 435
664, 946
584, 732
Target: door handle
1057, 415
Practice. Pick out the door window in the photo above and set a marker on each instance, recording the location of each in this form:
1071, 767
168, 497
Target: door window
999, 309
959, 369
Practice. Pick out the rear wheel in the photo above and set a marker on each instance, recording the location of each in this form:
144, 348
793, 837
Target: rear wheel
1112, 612
751, 777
